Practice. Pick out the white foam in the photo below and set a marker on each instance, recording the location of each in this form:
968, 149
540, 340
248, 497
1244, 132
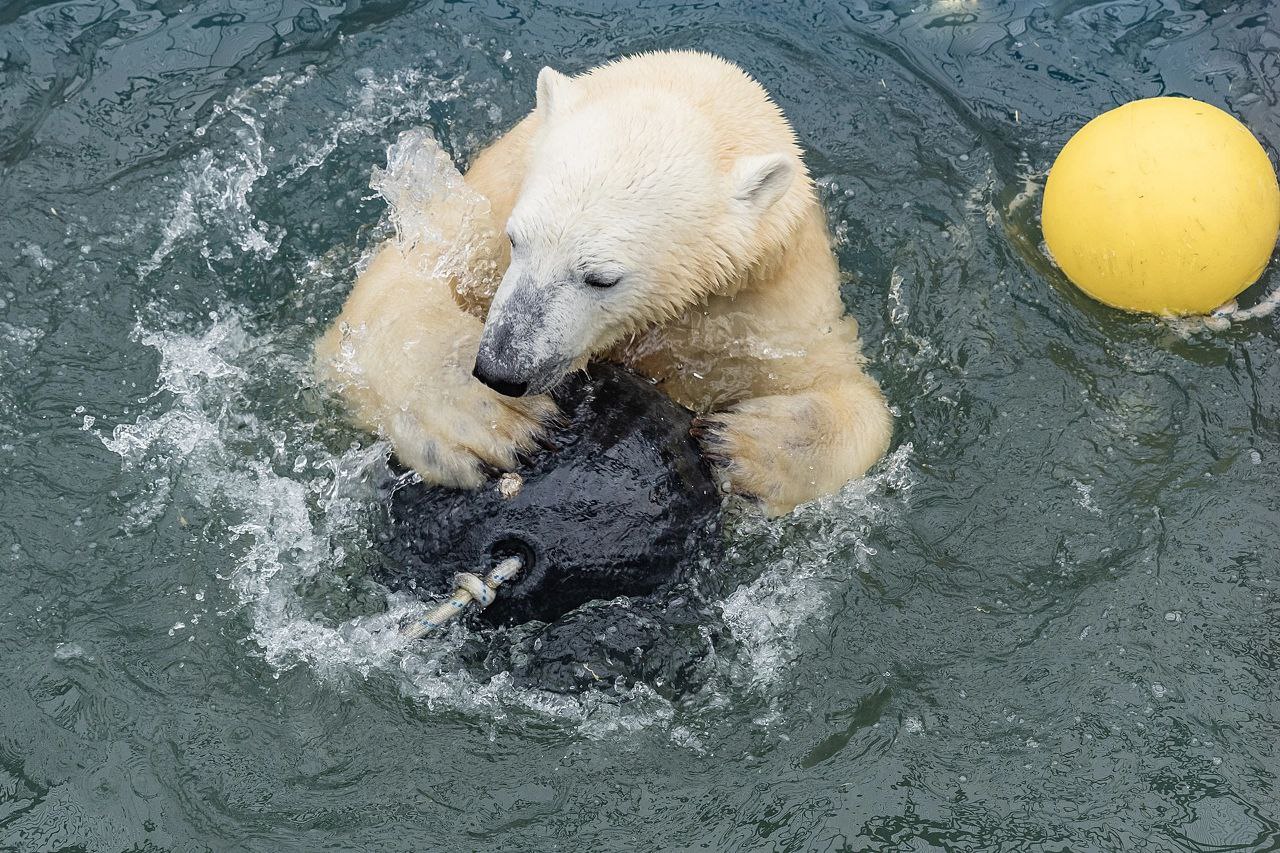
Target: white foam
1086, 497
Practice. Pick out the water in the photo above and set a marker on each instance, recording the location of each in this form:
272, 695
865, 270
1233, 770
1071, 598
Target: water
1049, 620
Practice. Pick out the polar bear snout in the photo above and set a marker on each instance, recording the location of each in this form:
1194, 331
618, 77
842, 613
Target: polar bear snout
496, 362
503, 385
532, 335
508, 363
500, 363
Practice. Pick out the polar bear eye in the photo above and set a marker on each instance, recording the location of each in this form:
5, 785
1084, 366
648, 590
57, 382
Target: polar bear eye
603, 281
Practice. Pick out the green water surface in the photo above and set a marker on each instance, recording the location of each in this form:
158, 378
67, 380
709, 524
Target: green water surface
1049, 621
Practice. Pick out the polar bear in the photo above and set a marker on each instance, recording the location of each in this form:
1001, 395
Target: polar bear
654, 211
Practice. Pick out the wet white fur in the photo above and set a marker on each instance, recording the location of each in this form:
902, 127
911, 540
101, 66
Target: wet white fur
675, 172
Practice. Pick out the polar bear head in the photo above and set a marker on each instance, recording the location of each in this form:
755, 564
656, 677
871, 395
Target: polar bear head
651, 184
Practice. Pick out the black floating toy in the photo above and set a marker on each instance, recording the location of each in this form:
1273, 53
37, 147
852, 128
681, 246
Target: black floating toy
624, 507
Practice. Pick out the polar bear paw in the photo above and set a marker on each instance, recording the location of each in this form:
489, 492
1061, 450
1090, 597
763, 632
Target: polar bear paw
745, 445
464, 442
787, 449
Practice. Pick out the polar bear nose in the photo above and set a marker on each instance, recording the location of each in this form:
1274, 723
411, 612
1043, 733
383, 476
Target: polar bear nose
506, 387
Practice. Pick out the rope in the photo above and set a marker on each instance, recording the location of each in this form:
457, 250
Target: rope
1222, 318
469, 588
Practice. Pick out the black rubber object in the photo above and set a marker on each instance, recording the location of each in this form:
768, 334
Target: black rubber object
625, 506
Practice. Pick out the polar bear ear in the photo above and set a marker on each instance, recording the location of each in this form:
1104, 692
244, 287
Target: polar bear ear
555, 91
759, 180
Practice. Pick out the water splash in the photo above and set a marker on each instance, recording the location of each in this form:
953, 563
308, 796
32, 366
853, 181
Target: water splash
405, 95
227, 428
288, 524
215, 193
811, 550
432, 207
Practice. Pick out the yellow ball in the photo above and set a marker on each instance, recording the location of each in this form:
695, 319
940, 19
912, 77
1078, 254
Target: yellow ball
1165, 206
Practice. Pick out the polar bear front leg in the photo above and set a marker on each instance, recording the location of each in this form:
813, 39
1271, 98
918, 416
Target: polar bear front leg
786, 449
401, 354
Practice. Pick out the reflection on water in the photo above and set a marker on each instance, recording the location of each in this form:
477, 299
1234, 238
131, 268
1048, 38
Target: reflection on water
1048, 620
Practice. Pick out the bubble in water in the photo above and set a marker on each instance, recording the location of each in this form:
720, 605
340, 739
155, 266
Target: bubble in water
1086, 497
68, 651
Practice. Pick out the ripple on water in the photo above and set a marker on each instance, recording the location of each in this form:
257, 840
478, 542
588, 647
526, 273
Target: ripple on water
967, 659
